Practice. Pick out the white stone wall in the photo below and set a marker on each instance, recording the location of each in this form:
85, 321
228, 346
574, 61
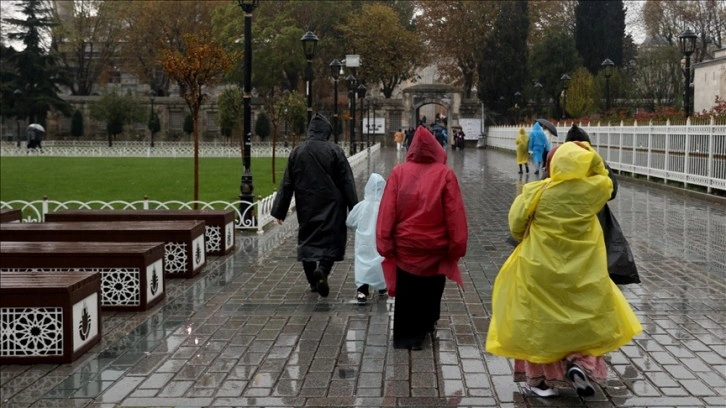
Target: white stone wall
709, 80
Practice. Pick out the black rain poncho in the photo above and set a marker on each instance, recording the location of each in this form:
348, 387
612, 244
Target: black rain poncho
319, 175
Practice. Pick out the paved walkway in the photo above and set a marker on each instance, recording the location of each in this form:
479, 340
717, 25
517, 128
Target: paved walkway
249, 333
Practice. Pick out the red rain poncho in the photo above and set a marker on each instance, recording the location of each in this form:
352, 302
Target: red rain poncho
421, 221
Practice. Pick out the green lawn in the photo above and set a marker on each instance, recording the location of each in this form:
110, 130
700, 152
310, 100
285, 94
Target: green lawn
130, 179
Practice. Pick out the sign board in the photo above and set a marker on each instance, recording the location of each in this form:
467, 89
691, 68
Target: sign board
471, 127
380, 126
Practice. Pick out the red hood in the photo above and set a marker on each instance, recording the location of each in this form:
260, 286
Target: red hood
425, 148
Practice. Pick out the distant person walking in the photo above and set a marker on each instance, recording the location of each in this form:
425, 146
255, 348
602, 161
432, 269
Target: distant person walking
363, 218
34, 137
538, 144
422, 233
408, 137
398, 138
459, 139
522, 142
555, 310
319, 177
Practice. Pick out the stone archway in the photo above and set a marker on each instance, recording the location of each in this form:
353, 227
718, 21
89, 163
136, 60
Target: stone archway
416, 96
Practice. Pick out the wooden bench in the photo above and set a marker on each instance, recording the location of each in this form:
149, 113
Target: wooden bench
48, 318
218, 233
10, 215
131, 273
184, 254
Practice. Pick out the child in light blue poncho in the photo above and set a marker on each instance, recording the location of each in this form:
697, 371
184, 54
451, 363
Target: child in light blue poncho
363, 217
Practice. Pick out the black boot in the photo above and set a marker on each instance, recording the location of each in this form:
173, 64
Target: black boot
527, 167
520, 169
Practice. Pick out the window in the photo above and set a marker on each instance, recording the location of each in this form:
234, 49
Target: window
64, 124
395, 122
176, 121
212, 122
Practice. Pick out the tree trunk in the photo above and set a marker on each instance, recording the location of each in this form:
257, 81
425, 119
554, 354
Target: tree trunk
196, 156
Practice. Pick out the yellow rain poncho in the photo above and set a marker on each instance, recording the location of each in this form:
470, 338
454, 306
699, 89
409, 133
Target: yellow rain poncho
553, 296
522, 142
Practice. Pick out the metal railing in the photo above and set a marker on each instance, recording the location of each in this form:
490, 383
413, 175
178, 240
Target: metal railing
694, 155
255, 216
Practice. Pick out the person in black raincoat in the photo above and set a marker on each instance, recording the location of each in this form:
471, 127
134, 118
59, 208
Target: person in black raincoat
621, 263
320, 177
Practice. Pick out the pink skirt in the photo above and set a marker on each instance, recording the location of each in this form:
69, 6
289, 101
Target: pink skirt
555, 374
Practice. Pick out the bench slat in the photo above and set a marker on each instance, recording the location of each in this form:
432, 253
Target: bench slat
131, 272
62, 282
184, 240
219, 230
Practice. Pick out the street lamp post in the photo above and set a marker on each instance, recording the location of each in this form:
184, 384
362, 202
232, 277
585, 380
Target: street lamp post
374, 105
335, 68
687, 42
361, 90
151, 119
351, 81
607, 67
565, 84
246, 186
538, 91
18, 94
517, 100
309, 41
369, 126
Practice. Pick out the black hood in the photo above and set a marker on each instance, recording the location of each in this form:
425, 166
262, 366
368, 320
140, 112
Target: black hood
577, 134
319, 128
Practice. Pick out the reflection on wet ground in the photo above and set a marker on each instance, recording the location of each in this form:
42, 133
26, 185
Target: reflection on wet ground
248, 333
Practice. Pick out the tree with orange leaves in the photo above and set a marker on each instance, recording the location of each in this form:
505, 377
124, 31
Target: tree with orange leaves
202, 63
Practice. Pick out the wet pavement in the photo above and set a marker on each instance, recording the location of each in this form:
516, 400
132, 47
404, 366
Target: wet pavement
247, 331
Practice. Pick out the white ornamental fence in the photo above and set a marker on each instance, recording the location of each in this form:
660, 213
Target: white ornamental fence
247, 217
693, 155
70, 148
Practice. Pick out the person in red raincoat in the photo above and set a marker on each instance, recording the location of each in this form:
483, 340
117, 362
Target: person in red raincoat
421, 232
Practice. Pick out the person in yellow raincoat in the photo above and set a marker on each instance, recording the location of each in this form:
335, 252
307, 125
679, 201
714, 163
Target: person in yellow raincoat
555, 309
522, 142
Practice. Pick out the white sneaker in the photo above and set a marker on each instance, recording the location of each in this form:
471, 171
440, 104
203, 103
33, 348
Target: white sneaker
541, 392
580, 382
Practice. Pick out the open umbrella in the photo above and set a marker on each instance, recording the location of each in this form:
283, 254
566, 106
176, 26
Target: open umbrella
548, 125
37, 127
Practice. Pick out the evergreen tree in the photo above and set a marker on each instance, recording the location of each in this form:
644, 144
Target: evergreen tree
77, 124
188, 126
600, 32
502, 61
262, 125
552, 57
38, 75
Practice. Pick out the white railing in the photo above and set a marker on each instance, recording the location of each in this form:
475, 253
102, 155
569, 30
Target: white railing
688, 154
247, 217
70, 148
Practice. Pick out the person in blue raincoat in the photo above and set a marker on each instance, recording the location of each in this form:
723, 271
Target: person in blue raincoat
363, 218
538, 144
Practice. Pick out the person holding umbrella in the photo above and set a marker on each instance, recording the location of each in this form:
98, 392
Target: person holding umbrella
538, 145
550, 131
33, 133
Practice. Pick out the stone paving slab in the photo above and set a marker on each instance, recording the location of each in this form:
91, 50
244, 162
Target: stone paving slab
247, 332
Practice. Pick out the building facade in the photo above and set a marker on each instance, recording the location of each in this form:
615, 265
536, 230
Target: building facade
709, 81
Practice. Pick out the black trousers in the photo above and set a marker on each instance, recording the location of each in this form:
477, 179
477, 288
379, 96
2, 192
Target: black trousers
417, 307
310, 266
